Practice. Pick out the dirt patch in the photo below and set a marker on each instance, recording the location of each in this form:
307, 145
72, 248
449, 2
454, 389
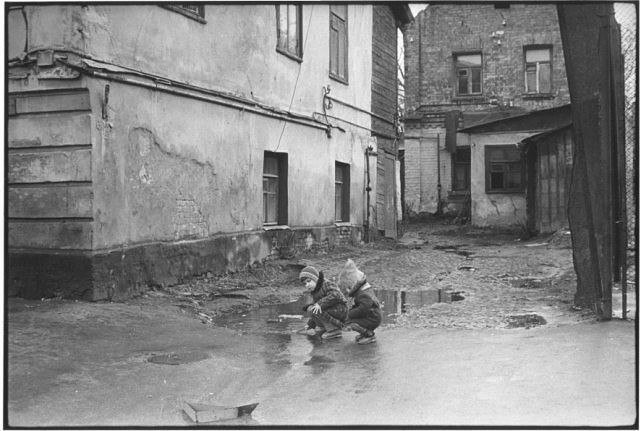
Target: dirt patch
525, 321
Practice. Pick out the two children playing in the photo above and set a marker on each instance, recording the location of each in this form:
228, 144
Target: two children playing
329, 312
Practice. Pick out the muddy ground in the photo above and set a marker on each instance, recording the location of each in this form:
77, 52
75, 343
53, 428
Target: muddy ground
479, 328
496, 280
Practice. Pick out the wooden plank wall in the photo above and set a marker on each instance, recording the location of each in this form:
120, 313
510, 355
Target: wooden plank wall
553, 181
49, 170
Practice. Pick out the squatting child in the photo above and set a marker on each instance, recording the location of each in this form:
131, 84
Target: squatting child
329, 308
365, 314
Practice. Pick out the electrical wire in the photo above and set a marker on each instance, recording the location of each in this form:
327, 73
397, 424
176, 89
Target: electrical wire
295, 87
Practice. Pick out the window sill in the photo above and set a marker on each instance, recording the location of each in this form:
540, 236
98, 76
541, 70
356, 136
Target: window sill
472, 98
343, 224
292, 56
530, 96
459, 193
338, 78
276, 227
504, 192
184, 12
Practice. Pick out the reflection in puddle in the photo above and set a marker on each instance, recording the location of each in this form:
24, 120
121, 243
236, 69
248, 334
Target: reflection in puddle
396, 302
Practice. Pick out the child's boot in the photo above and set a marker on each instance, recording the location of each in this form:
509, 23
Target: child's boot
336, 333
359, 329
366, 338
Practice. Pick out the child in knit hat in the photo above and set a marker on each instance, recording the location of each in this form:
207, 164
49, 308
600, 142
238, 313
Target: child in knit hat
365, 315
329, 309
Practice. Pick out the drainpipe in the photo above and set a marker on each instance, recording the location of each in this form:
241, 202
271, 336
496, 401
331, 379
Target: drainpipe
368, 190
439, 206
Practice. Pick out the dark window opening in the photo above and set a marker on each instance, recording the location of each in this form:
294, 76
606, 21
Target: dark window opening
274, 188
289, 25
338, 43
537, 70
504, 169
468, 69
342, 192
461, 169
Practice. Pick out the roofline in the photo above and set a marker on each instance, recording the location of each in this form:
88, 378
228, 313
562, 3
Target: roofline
470, 128
534, 138
402, 13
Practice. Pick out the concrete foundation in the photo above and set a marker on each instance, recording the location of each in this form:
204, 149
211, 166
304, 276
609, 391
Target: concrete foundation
121, 274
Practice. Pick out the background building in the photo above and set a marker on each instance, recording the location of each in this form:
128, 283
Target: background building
469, 64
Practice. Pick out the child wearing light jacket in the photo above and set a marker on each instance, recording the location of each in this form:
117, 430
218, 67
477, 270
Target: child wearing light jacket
365, 315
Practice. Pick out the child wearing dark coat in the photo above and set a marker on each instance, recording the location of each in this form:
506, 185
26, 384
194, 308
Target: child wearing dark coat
329, 308
365, 315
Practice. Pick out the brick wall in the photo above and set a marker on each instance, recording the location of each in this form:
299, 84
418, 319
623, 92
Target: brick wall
384, 92
430, 41
442, 29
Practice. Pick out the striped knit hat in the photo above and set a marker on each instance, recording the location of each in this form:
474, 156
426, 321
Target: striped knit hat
309, 272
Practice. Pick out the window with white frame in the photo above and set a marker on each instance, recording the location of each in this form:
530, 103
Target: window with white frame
537, 70
289, 25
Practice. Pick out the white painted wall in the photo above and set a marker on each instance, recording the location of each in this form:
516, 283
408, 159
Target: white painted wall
493, 209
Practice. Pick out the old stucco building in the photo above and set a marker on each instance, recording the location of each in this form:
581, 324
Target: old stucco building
470, 64
148, 144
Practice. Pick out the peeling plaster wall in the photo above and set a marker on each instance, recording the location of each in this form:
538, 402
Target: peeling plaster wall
173, 175
494, 209
176, 182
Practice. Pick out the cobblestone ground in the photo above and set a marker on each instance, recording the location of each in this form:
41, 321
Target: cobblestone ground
498, 276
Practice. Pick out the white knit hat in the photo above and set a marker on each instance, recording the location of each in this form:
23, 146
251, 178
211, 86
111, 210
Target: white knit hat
349, 276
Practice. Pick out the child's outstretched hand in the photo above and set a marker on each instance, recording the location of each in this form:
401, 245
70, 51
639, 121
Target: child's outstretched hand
315, 309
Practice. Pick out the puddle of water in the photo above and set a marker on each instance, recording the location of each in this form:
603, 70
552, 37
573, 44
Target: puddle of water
278, 318
525, 321
454, 249
289, 317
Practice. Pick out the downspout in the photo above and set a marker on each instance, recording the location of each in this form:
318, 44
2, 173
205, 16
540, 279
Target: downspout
420, 61
367, 224
439, 205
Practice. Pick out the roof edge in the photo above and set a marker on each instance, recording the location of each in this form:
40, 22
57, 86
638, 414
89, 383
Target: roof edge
555, 108
402, 13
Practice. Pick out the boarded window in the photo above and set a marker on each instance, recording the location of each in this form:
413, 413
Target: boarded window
537, 70
468, 69
342, 192
289, 24
504, 169
461, 169
274, 188
338, 43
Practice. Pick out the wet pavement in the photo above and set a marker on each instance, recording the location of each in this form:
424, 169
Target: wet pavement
103, 372
488, 337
